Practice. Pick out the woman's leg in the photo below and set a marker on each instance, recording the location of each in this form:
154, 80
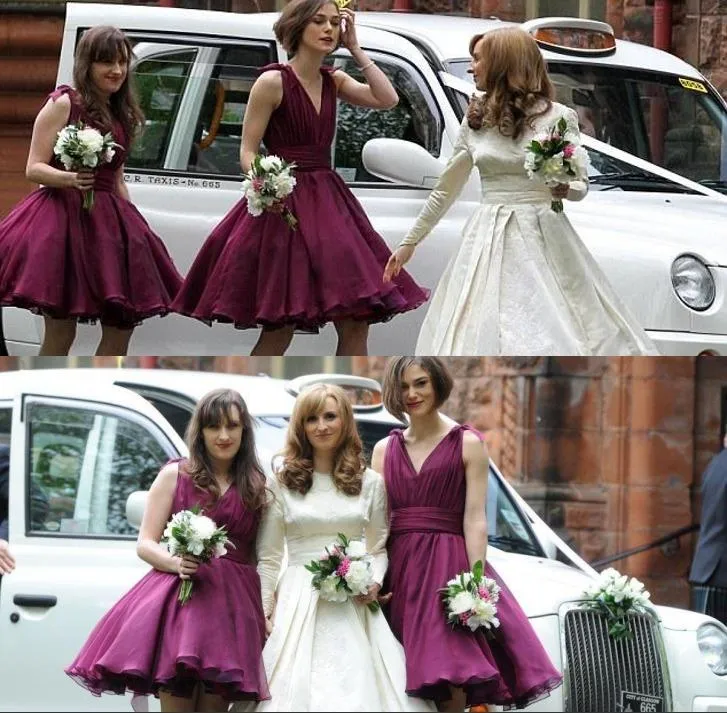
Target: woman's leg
273, 342
114, 341
353, 335
58, 336
456, 704
210, 703
177, 704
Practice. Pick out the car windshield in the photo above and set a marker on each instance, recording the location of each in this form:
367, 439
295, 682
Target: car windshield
671, 121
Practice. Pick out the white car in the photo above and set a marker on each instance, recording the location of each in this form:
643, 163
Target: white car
659, 236
86, 443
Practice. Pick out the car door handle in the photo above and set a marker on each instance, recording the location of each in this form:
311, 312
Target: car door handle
35, 600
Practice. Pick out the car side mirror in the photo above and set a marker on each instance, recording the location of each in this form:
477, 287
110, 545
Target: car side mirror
402, 162
135, 504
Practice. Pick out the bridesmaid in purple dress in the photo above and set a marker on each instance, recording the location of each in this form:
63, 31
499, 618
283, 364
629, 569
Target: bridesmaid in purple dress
70, 264
257, 271
436, 475
208, 652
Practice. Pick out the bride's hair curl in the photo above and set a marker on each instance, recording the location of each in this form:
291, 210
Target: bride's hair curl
515, 83
296, 467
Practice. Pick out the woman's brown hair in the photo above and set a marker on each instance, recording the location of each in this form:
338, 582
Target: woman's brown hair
393, 398
296, 470
213, 409
104, 43
293, 20
515, 82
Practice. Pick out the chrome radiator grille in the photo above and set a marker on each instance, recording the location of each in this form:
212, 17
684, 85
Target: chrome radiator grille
597, 668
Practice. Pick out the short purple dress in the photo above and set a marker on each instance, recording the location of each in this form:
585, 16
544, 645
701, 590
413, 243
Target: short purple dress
426, 549
257, 271
106, 264
147, 641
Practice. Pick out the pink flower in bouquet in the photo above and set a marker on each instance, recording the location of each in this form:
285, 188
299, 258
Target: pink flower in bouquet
342, 569
568, 151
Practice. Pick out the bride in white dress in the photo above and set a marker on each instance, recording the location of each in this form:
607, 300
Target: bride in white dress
320, 655
521, 282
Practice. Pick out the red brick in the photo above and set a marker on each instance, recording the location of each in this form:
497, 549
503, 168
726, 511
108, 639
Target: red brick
585, 516
662, 405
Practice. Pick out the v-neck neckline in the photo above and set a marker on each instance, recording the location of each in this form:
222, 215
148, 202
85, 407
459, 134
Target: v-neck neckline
227, 490
416, 472
318, 112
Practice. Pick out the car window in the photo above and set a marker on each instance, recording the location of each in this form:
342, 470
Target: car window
194, 99
415, 118
215, 146
671, 121
160, 83
82, 465
507, 528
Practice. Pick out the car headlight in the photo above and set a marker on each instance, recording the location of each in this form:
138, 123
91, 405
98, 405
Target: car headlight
712, 641
693, 282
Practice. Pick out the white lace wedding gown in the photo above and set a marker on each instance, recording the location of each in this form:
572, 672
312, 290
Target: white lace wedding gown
326, 656
521, 281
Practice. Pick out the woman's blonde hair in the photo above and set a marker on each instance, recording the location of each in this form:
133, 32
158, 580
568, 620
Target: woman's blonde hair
515, 82
296, 470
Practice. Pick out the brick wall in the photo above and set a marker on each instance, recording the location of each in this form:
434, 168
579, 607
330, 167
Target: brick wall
29, 49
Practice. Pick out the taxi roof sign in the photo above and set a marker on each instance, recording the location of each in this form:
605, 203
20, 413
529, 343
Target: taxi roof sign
572, 35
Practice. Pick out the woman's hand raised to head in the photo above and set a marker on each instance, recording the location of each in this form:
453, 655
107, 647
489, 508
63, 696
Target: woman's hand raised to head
348, 32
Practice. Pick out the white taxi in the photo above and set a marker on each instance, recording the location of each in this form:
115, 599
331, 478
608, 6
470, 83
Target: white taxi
86, 444
654, 219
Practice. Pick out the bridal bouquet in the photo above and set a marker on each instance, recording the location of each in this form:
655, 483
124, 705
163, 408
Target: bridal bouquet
470, 600
343, 571
268, 182
78, 147
556, 159
189, 532
616, 596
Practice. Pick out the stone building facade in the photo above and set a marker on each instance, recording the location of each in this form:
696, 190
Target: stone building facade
610, 451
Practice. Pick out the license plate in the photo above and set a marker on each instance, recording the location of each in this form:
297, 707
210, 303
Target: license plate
640, 703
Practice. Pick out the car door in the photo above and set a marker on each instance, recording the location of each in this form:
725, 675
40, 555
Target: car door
73, 462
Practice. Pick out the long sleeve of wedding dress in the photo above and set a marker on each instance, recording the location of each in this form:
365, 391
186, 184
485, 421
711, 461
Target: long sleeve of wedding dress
270, 547
377, 530
447, 189
577, 190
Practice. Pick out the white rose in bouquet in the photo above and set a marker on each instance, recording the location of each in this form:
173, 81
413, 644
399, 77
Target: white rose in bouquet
358, 577
461, 603
330, 592
204, 526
